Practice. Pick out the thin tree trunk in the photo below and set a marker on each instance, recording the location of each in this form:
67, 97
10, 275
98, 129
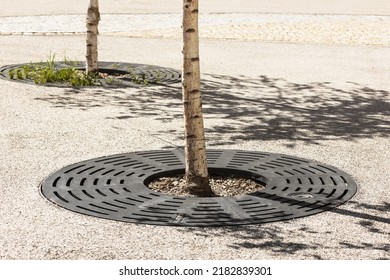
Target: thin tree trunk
93, 17
197, 178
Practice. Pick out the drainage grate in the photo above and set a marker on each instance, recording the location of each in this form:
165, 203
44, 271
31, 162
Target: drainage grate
114, 187
154, 75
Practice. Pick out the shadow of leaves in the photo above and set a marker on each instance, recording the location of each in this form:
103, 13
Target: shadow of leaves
246, 108
281, 238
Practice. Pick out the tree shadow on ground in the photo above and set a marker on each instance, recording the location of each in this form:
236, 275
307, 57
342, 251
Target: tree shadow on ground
264, 108
285, 240
275, 109
245, 108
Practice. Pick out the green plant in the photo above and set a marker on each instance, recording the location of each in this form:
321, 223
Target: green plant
158, 77
48, 72
110, 80
52, 72
19, 74
135, 78
11, 74
26, 70
70, 62
115, 66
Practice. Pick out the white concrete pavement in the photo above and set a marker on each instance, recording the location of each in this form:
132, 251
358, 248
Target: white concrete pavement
346, 7
298, 29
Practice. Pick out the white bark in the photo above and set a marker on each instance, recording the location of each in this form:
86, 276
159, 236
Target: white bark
197, 178
93, 17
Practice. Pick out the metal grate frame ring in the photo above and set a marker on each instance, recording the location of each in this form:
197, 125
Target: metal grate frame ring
154, 75
115, 187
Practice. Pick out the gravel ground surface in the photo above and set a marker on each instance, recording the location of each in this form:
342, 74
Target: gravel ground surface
220, 186
321, 101
318, 102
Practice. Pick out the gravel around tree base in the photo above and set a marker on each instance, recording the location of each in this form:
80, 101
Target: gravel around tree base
221, 186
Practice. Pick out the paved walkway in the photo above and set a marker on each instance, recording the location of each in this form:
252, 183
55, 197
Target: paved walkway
312, 29
344, 7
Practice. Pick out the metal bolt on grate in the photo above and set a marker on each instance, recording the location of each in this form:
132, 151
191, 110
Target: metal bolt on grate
115, 187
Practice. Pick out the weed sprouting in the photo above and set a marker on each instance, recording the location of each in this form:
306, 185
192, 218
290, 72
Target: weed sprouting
52, 72
48, 72
135, 78
158, 77
11, 74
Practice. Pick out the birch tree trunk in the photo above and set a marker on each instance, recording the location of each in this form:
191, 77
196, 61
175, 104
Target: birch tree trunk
197, 178
93, 17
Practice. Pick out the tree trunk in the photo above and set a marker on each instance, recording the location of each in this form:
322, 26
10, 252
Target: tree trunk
93, 17
197, 178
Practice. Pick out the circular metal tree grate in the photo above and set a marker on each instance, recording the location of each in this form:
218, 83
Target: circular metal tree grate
120, 74
115, 187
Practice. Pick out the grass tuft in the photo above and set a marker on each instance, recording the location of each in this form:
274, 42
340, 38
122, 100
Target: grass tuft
48, 72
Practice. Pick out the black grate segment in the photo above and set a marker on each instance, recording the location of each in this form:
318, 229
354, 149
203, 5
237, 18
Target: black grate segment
137, 75
114, 187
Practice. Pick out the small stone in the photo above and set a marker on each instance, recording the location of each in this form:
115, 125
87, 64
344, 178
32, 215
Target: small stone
221, 186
